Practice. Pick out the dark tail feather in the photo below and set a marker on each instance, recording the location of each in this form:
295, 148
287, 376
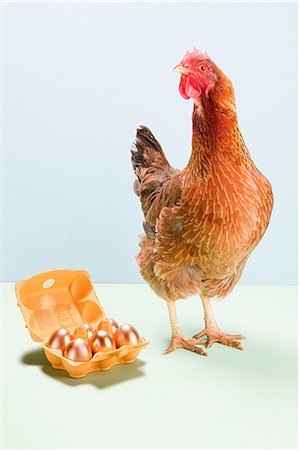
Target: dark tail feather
147, 150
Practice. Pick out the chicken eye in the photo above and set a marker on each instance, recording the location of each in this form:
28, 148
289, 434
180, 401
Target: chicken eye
203, 67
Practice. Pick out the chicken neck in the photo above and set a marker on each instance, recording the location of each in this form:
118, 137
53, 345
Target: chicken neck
215, 132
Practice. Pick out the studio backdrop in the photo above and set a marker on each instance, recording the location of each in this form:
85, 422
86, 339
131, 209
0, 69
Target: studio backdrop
77, 81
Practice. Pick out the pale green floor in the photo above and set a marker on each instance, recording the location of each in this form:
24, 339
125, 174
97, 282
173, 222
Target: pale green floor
231, 399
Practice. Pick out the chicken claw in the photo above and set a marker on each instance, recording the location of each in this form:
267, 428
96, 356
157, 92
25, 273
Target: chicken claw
188, 344
215, 335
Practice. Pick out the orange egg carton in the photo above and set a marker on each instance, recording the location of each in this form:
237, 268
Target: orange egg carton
66, 299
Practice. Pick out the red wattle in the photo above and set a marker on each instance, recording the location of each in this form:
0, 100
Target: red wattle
182, 88
188, 88
191, 89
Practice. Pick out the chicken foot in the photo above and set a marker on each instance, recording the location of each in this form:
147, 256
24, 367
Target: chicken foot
212, 331
177, 340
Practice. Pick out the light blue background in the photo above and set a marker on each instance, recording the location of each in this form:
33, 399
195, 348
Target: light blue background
79, 78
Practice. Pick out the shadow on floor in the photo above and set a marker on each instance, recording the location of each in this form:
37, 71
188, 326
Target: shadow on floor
101, 380
263, 358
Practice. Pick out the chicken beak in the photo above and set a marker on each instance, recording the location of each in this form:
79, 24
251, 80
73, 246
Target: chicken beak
181, 69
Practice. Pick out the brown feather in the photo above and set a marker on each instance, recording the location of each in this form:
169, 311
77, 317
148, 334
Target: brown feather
207, 218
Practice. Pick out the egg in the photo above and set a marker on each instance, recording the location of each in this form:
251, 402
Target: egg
102, 341
60, 339
109, 325
126, 334
84, 331
78, 350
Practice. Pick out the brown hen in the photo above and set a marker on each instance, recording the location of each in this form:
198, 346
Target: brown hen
201, 223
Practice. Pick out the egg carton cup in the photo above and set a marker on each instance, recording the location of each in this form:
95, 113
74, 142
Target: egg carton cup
66, 299
100, 361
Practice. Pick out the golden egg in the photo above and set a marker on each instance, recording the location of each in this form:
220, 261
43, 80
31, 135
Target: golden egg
109, 325
78, 350
102, 341
84, 331
60, 339
126, 335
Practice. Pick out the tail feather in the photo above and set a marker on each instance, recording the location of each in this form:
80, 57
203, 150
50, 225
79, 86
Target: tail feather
153, 171
148, 150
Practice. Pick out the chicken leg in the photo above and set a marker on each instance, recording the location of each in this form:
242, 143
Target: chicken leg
177, 340
212, 331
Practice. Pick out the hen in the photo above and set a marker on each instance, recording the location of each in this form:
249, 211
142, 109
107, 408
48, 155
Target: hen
201, 223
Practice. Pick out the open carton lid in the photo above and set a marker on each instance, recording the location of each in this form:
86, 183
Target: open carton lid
58, 299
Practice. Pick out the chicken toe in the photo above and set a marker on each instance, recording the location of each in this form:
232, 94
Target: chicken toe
188, 344
215, 335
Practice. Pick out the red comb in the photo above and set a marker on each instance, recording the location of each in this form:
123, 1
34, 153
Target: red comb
196, 53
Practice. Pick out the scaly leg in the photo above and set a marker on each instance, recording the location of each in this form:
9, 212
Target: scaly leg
177, 340
212, 330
